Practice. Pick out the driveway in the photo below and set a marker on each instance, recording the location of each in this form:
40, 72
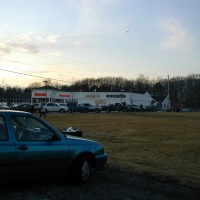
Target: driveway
109, 184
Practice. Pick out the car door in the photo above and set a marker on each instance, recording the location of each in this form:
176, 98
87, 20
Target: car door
40, 151
56, 107
7, 153
50, 107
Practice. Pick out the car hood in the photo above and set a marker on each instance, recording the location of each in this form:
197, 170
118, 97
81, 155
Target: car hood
85, 144
80, 140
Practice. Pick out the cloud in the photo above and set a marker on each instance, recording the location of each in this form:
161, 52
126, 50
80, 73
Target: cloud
99, 17
28, 48
29, 42
52, 38
176, 35
4, 51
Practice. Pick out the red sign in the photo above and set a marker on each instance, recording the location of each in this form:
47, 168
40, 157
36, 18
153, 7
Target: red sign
40, 94
64, 95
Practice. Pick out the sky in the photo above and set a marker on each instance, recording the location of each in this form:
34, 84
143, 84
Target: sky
69, 40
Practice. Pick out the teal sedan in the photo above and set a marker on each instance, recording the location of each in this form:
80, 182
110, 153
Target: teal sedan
32, 148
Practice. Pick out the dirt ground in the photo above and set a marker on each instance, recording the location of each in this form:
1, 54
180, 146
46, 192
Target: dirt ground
109, 184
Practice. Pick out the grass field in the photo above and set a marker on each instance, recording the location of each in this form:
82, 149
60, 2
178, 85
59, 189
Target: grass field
161, 144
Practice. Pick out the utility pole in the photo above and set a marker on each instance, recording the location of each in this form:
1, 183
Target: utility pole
168, 92
45, 82
121, 95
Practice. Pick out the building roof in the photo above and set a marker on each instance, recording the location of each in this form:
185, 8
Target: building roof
159, 98
45, 87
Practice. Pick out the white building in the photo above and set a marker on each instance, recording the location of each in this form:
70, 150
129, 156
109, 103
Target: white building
165, 103
162, 103
50, 94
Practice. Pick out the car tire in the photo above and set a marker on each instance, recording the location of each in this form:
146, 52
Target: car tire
108, 110
62, 111
97, 111
70, 111
81, 169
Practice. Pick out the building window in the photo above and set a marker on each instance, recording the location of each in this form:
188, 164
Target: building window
115, 96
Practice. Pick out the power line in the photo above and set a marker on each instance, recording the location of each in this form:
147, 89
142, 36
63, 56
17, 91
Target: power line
35, 52
103, 68
10, 71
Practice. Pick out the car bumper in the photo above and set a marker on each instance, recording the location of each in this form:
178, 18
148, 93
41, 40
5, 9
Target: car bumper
100, 161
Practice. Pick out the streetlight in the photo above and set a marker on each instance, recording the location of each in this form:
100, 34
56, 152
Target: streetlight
168, 105
45, 82
121, 95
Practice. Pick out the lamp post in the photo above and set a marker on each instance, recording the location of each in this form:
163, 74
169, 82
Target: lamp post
45, 82
121, 95
168, 105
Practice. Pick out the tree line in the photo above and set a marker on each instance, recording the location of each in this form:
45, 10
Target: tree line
185, 90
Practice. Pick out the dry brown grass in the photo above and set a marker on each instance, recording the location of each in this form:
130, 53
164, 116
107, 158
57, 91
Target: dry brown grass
159, 144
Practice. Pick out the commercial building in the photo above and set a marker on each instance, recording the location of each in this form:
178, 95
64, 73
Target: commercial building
50, 94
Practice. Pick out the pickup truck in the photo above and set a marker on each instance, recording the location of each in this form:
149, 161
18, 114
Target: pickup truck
32, 148
114, 107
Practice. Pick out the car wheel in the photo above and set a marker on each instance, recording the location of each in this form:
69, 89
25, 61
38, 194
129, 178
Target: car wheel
62, 111
97, 111
69, 111
108, 110
81, 169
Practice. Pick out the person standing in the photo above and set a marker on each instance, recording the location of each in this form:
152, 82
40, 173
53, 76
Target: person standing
32, 108
42, 111
141, 107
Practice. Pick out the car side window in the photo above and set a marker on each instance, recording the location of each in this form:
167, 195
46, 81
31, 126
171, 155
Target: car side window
3, 130
30, 129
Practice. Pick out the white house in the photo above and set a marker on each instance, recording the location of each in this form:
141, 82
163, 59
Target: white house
165, 104
162, 103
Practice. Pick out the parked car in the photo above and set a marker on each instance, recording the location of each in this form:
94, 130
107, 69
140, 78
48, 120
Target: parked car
114, 107
75, 108
55, 107
64, 104
25, 107
134, 108
3, 107
14, 106
87, 107
32, 148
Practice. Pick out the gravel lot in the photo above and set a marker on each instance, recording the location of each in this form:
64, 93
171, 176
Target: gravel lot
107, 184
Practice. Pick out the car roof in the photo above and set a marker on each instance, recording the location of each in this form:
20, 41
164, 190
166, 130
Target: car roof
13, 111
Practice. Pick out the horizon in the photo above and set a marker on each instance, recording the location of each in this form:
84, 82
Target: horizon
56, 85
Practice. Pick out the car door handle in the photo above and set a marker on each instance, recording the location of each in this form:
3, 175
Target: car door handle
22, 147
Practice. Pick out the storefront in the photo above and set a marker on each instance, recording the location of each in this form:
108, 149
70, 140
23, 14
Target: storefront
50, 94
